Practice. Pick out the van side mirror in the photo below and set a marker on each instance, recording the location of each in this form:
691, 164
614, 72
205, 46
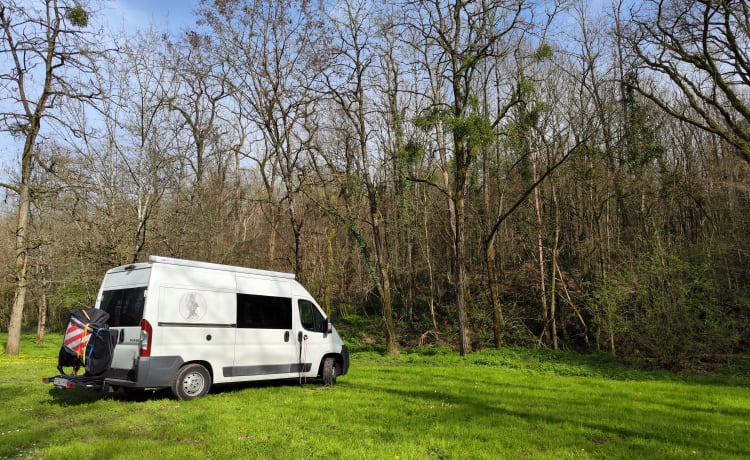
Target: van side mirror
329, 327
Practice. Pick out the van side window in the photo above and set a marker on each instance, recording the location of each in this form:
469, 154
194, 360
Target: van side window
264, 312
311, 318
125, 306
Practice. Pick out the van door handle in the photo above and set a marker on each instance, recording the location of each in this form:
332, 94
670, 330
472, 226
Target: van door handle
286, 336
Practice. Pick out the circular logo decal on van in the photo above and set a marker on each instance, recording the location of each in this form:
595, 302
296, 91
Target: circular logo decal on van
192, 306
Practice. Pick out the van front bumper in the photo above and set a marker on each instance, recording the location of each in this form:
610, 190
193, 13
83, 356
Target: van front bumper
344, 359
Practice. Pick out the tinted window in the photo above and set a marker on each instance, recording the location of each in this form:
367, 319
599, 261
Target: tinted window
264, 312
125, 306
311, 318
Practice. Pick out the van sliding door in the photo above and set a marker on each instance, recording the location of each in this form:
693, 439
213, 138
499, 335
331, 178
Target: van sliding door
264, 346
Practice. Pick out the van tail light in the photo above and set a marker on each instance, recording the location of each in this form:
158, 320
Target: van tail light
146, 336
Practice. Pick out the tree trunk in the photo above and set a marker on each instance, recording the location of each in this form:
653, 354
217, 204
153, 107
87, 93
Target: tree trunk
540, 255
42, 315
464, 340
611, 329
24, 208
19, 300
391, 345
490, 253
384, 278
294, 222
237, 198
328, 276
553, 277
428, 259
497, 310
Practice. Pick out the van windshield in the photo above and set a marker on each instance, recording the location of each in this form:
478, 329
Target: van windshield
125, 306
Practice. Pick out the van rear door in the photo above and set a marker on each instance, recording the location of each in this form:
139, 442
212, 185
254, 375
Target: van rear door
123, 296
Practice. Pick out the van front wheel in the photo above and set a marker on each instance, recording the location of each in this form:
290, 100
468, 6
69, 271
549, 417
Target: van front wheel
329, 371
191, 381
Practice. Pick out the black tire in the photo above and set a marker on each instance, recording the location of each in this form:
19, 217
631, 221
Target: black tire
329, 371
192, 381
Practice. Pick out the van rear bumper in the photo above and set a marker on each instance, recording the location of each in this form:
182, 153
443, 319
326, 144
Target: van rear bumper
151, 372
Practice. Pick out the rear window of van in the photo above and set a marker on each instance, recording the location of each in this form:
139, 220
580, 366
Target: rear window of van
125, 306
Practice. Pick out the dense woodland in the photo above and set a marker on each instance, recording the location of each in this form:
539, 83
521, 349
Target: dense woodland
565, 174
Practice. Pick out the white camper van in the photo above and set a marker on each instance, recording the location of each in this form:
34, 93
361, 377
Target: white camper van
186, 325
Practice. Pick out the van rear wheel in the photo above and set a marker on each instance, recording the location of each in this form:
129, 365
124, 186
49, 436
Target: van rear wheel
191, 381
329, 371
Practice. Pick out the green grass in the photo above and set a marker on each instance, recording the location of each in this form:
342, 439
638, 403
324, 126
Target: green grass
429, 404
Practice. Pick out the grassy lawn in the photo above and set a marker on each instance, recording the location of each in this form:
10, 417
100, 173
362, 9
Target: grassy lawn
430, 405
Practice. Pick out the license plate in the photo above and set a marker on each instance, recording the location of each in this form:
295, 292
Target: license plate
60, 382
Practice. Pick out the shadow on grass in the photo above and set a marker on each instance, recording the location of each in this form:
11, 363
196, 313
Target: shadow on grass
545, 411
78, 396
283, 383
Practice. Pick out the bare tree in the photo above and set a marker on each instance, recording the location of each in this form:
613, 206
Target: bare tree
201, 84
606, 211
350, 85
202, 80
146, 131
462, 35
701, 47
45, 48
270, 49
